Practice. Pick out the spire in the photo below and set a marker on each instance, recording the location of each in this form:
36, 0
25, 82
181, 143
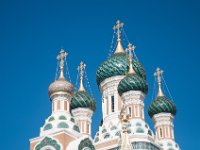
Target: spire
119, 44
158, 74
124, 118
130, 49
62, 57
81, 69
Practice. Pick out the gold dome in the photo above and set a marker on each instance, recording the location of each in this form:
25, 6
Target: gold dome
61, 87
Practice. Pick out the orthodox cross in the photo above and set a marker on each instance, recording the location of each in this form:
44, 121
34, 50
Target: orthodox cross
158, 74
130, 49
61, 57
81, 69
117, 27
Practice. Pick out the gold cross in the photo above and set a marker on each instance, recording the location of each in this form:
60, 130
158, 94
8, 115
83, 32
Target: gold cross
130, 49
158, 74
81, 69
61, 57
118, 26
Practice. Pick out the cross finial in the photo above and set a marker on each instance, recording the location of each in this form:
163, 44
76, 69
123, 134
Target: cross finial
81, 69
61, 57
158, 74
129, 50
117, 27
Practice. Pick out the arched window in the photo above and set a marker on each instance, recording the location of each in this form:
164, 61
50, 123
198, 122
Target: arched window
149, 132
129, 131
76, 128
96, 139
62, 118
104, 130
139, 130
113, 128
51, 119
47, 127
72, 120
63, 125
138, 124
106, 136
118, 133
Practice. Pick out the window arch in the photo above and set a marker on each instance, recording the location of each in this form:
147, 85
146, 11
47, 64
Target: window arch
113, 128
138, 124
139, 130
63, 125
51, 118
48, 126
76, 128
118, 133
104, 130
106, 136
62, 118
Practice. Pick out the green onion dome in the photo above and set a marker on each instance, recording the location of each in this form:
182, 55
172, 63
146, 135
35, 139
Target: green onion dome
161, 105
132, 82
118, 64
82, 100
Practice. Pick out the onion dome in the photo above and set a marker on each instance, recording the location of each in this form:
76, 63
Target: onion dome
61, 86
132, 81
161, 104
118, 64
82, 99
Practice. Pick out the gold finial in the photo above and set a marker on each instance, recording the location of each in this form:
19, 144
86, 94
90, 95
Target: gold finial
130, 49
81, 69
61, 57
119, 45
158, 74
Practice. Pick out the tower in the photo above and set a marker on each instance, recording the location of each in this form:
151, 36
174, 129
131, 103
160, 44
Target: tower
60, 130
162, 111
122, 78
83, 105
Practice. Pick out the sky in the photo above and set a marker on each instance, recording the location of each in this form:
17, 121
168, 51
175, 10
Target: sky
166, 34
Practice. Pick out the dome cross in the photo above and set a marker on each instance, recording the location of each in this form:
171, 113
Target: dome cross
129, 50
81, 69
62, 57
117, 27
158, 74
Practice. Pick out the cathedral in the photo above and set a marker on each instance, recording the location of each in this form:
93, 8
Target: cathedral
122, 82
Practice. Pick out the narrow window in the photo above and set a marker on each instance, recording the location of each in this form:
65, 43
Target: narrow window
130, 111
112, 104
161, 133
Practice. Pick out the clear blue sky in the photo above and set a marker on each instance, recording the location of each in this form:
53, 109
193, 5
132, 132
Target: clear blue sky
165, 32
